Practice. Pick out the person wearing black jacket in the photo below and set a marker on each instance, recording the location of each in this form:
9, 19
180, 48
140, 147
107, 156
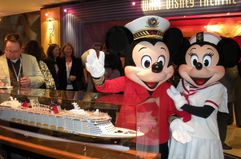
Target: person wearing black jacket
70, 72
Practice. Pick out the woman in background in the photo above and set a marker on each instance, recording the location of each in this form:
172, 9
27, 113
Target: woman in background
70, 73
53, 53
33, 48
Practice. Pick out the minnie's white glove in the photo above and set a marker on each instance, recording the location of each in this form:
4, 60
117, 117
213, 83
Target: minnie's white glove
178, 99
181, 132
95, 65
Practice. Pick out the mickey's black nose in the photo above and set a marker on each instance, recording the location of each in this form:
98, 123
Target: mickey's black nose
198, 66
157, 67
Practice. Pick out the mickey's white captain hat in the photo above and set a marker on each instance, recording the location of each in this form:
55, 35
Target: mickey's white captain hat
150, 26
205, 37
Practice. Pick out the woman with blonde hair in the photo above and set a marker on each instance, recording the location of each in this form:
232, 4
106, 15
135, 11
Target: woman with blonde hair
70, 70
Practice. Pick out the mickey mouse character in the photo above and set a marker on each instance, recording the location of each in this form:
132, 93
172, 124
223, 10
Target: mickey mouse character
147, 69
202, 95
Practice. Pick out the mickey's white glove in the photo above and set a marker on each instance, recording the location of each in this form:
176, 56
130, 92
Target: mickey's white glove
178, 99
181, 132
95, 65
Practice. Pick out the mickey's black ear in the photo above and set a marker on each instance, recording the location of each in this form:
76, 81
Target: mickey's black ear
180, 56
229, 52
118, 39
173, 38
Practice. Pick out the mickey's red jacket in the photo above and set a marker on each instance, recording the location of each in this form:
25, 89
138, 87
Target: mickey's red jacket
135, 108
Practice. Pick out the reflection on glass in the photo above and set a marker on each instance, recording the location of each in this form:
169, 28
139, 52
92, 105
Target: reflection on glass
140, 115
4, 81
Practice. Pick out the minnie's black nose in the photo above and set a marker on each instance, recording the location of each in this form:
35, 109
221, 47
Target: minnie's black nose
157, 67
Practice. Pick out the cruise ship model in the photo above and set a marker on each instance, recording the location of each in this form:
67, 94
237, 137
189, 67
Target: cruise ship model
75, 121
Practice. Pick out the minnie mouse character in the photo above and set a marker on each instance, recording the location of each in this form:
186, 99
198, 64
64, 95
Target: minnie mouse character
147, 69
202, 95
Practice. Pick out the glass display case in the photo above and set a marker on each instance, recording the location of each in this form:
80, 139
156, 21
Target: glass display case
74, 124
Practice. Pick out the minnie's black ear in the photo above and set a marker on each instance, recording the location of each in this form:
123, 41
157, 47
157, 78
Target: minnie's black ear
229, 52
118, 39
174, 40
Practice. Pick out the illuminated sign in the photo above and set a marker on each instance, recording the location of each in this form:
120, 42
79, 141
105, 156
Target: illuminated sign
159, 5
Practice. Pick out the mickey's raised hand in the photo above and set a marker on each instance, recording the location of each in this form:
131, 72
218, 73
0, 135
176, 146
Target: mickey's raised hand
95, 65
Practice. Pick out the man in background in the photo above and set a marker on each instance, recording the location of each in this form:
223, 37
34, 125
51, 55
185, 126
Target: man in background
18, 69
